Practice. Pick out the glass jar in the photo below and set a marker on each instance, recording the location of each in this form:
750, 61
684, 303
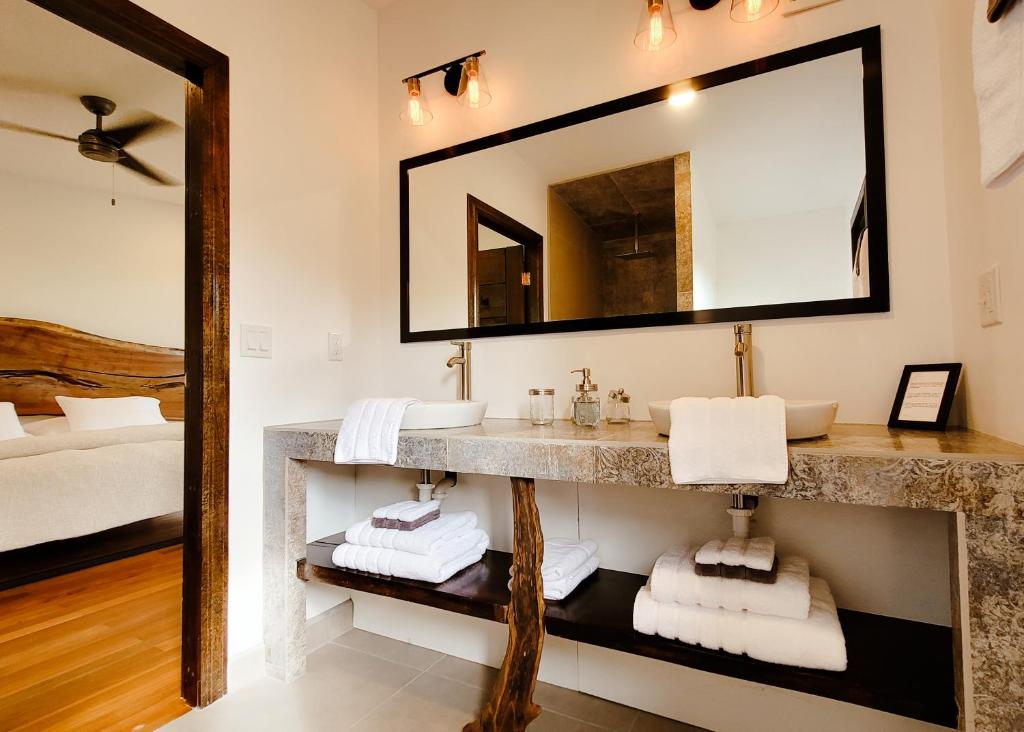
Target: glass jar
542, 406
618, 407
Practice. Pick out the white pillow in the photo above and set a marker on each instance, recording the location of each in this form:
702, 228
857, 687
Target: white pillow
10, 426
47, 426
107, 414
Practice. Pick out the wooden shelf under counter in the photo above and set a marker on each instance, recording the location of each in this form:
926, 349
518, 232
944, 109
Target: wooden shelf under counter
897, 666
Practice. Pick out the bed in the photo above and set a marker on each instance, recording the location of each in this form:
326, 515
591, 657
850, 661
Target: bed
72, 499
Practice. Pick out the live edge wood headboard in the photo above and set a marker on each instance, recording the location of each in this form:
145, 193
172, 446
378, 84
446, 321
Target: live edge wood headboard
41, 360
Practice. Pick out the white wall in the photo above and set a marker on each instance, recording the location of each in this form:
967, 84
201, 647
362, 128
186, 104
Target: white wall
69, 257
805, 255
986, 227
302, 214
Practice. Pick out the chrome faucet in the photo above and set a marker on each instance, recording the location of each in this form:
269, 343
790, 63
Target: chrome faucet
744, 352
464, 359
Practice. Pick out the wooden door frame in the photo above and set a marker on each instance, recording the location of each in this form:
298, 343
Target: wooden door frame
207, 329
479, 212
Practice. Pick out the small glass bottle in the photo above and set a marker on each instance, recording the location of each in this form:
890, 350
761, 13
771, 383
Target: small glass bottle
618, 407
542, 406
586, 404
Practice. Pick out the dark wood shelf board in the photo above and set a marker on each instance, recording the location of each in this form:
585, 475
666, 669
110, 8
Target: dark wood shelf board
34, 563
896, 666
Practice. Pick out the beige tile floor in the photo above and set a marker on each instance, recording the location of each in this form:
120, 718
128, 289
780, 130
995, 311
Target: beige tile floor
367, 683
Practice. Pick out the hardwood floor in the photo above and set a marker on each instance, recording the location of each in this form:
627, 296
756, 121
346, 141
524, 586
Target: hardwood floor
98, 649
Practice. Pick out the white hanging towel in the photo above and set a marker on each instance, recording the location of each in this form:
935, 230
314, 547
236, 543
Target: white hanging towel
726, 441
369, 432
999, 88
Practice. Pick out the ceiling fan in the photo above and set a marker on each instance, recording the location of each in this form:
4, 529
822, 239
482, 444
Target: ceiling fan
108, 146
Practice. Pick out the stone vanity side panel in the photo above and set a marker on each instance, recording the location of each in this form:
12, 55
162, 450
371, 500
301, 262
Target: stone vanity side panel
995, 570
284, 543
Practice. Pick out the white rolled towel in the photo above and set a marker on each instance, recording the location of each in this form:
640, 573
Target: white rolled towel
756, 553
407, 511
814, 642
427, 539
393, 563
674, 579
563, 557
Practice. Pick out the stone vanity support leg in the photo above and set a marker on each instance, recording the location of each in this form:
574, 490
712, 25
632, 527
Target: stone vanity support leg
284, 543
511, 707
995, 597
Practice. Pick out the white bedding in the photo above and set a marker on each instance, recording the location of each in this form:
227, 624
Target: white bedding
78, 483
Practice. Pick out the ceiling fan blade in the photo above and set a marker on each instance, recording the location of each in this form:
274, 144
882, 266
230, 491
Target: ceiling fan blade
152, 174
14, 127
135, 131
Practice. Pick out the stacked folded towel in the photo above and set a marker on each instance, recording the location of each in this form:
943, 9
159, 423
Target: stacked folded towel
431, 553
406, 515
567, 562
791, 621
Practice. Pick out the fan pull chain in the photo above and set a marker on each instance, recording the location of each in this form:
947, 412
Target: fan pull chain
113, 199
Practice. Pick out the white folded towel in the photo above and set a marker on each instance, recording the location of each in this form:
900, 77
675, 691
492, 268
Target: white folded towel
756, 553
393, 563
814, 642
559, 589
999, 88
562, 557
369, 432
407, 511
674, 580
427, 539
728, 440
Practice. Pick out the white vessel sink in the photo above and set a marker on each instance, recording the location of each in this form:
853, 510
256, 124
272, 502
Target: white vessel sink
441, 415
805, 418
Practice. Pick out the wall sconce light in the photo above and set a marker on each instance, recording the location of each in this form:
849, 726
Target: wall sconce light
463, 78
415, 111
655, 29
747, 11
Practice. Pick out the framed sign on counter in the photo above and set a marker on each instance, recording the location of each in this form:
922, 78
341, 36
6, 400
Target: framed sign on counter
925, 396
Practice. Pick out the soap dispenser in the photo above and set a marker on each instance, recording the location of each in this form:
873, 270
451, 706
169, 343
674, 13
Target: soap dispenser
586, 404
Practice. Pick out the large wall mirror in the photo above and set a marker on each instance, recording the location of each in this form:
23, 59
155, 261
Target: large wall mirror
762, 197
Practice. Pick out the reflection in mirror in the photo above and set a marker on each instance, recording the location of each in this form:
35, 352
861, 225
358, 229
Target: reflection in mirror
756, 195
505, 265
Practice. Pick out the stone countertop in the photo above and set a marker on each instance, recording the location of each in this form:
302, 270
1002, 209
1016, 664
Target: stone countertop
857, 464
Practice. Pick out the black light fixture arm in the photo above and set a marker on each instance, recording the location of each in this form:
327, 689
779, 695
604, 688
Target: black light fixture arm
452, 72
445, 67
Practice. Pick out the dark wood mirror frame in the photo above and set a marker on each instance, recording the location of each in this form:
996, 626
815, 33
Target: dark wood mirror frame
868, 42
205, 70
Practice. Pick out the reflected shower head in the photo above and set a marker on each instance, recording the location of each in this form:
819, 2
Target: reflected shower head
636, 253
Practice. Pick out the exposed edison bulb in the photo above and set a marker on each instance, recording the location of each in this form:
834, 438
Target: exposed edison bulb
415, 111
473, 91
753, 7
655, 29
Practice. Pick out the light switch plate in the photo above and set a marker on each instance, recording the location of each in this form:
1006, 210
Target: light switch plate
335, 347
257, 341
792, 7
990, 306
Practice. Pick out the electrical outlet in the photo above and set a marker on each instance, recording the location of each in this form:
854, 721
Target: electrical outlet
335, 349
792, 7
257, 341
990, 306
